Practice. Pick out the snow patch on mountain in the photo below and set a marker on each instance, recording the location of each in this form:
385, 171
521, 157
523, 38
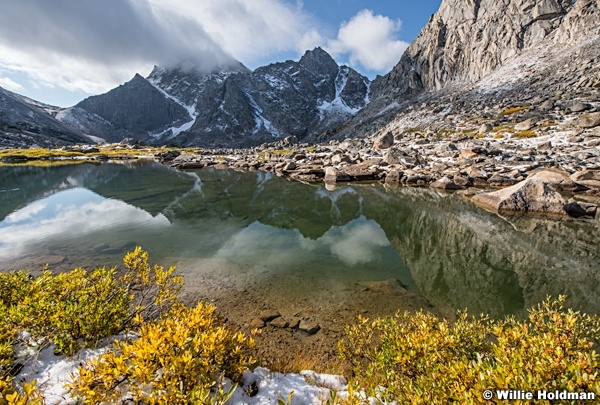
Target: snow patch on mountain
261, 121
191, 110
337, 105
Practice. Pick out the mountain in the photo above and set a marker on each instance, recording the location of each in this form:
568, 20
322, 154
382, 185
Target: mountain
25, 122
230, 106
474, 54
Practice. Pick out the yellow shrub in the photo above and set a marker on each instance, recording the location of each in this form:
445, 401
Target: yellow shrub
526, 134
176, 360
514, 110
79, 307
420, 359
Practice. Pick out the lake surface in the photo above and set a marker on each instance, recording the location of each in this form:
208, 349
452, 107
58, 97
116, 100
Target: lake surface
304, 248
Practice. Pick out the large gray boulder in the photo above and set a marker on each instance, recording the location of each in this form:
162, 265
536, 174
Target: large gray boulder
535, 194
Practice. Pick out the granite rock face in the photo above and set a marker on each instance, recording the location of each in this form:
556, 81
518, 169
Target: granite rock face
478, 54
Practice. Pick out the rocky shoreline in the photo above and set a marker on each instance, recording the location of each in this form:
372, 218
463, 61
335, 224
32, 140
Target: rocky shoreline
495, 152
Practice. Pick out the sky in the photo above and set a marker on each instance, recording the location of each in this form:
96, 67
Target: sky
61, 51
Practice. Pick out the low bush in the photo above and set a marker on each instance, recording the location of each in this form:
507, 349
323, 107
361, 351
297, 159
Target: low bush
513, 110
420, 359
181, 359
79, 307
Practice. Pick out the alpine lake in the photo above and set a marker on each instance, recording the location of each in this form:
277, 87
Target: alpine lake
253, 242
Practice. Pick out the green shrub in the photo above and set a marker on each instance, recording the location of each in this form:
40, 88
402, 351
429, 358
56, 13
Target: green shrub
420, 359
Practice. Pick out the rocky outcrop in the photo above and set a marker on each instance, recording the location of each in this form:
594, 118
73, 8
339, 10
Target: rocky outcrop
477, 54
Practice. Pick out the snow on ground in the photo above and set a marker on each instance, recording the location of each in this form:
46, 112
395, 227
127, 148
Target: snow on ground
53, 372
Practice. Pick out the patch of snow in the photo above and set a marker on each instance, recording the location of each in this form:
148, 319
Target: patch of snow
54, 372
260, 120
275, 82
191, 110
337, 105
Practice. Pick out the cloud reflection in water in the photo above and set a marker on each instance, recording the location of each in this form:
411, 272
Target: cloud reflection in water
70, 212
356, 242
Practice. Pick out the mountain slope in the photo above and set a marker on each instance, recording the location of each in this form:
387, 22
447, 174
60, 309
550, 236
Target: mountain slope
25, 122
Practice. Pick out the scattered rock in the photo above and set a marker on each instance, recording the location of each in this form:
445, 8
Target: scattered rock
384, 141
309, 327
333, 175
525, 125
445, 183
279, 323
579, 209
590, 120
257, 323
268, 316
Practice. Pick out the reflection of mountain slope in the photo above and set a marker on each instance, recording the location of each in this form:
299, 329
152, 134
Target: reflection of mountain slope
152, 189
21, 185
263, 197
463, 257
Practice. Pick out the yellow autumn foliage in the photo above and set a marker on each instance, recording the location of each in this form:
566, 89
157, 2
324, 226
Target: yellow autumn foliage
78, 308
421, 359
180, 359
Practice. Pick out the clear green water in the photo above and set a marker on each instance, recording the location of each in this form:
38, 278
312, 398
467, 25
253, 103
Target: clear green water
228, 230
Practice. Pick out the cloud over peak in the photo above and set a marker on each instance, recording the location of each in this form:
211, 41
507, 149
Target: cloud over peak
90, 46
370, 41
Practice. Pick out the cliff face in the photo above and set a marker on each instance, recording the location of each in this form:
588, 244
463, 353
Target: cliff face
492, 46
468, 39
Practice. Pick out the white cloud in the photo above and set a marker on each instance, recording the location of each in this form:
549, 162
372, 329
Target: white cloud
91, 46
10, 84
370, 41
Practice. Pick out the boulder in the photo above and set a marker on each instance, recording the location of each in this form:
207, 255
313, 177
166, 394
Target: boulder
578, 209
485, 128
384, 141
333, 175
393, 176
589, 120
537, 193
445, 184
557, 181
525, 125
528, 196
309, 327
291, 165
394, 156
279, 323
267, 316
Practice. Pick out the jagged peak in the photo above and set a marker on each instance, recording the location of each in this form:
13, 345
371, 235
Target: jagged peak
317, 60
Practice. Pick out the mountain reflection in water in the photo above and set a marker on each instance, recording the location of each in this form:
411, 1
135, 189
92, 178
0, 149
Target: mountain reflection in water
440, 246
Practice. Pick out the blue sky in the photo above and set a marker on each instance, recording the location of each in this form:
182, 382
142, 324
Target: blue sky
62, 51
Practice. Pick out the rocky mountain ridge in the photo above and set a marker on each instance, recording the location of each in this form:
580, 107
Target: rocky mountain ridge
230, 106
25, 122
